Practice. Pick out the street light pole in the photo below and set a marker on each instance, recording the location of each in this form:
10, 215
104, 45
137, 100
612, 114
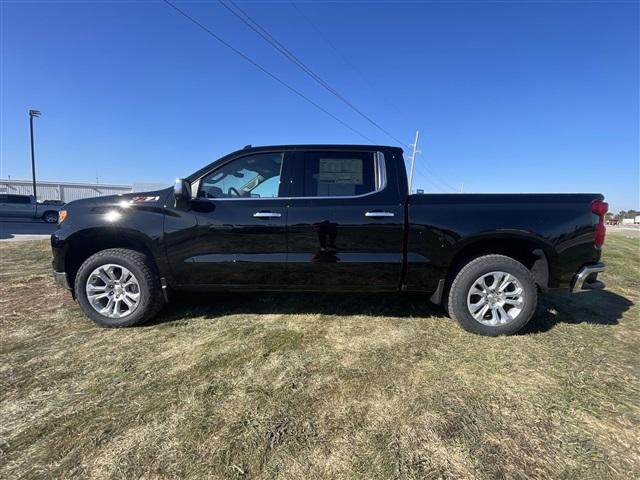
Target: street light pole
33, 113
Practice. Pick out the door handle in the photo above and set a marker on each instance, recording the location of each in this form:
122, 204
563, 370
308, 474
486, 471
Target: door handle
267, 215
379, 214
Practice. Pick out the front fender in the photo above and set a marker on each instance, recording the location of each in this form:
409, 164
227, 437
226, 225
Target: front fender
87, 231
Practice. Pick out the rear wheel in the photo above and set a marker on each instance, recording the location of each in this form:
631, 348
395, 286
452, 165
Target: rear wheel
493, 295
118, 288
50, 217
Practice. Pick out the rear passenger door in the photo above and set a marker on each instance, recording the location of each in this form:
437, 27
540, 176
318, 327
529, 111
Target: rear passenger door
345, 222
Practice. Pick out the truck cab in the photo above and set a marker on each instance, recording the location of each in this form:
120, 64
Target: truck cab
294, 219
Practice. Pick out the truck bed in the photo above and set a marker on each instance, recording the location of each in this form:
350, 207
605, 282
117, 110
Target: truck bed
440, 226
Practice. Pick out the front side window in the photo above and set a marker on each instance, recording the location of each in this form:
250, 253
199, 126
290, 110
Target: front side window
253, 176
339, 174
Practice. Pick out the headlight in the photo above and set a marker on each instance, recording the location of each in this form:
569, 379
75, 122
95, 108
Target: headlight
62, 215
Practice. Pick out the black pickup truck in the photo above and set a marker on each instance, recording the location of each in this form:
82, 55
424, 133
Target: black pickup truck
327, 218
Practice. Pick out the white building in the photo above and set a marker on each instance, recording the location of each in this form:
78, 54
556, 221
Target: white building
65, 191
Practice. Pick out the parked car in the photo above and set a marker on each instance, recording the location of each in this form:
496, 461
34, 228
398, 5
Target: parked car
327, 218
26, 206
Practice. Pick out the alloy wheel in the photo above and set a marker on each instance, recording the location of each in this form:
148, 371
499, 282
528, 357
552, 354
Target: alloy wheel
113, 291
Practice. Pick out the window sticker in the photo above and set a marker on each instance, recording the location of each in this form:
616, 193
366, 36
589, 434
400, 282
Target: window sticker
340, 170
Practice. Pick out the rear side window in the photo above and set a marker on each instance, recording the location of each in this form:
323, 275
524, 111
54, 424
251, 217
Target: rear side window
18, 199
340, 174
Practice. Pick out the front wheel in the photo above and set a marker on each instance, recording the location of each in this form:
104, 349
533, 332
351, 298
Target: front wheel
50, 217
118, 288
493, 295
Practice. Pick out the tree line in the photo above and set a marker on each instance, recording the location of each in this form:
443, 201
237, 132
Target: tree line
622, 214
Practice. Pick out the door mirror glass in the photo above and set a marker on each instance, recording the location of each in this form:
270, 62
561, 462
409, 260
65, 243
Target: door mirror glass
182, 193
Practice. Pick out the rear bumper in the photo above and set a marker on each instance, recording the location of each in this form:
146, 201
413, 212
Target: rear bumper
587, 278
61, 279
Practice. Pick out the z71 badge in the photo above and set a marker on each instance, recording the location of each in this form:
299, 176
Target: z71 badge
144, 199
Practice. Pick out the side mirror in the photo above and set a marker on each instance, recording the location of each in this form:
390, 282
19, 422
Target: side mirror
182, 193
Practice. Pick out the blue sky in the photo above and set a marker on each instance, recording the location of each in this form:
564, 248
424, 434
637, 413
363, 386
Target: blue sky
508, 96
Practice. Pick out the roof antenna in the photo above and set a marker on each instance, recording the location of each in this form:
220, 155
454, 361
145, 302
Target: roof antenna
246, 146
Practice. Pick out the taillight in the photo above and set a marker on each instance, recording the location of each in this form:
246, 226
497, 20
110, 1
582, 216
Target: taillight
600, 208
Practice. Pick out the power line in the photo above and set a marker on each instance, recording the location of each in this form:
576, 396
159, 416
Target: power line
440, 179
346, 61
429, 175
359, 72
429, 178
343, 57
257, 28
264, 70
432, 177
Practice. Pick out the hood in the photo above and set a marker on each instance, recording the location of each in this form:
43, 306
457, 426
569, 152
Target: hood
154, 198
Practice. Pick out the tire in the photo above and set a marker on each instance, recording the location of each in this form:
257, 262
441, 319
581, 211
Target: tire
144, 281
517, 309
50, 217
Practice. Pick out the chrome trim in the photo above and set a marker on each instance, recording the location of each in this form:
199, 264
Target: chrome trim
583, 274
267, 215
379, 214
381, 181
380, 172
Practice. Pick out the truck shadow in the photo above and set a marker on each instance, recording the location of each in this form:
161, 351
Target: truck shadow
602, 308
212, 305
599, 308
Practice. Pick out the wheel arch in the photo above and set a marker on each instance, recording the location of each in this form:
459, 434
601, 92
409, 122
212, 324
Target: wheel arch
85, 243
534, 253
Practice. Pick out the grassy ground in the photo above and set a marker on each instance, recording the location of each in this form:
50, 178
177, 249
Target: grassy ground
317, 386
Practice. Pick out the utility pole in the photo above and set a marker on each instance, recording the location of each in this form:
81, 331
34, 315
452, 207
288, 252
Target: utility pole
33, 113
414, 146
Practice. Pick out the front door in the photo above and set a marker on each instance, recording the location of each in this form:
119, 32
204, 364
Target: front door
345, 224
238, 235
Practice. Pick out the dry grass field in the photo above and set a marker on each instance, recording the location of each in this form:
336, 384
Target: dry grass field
317, 386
